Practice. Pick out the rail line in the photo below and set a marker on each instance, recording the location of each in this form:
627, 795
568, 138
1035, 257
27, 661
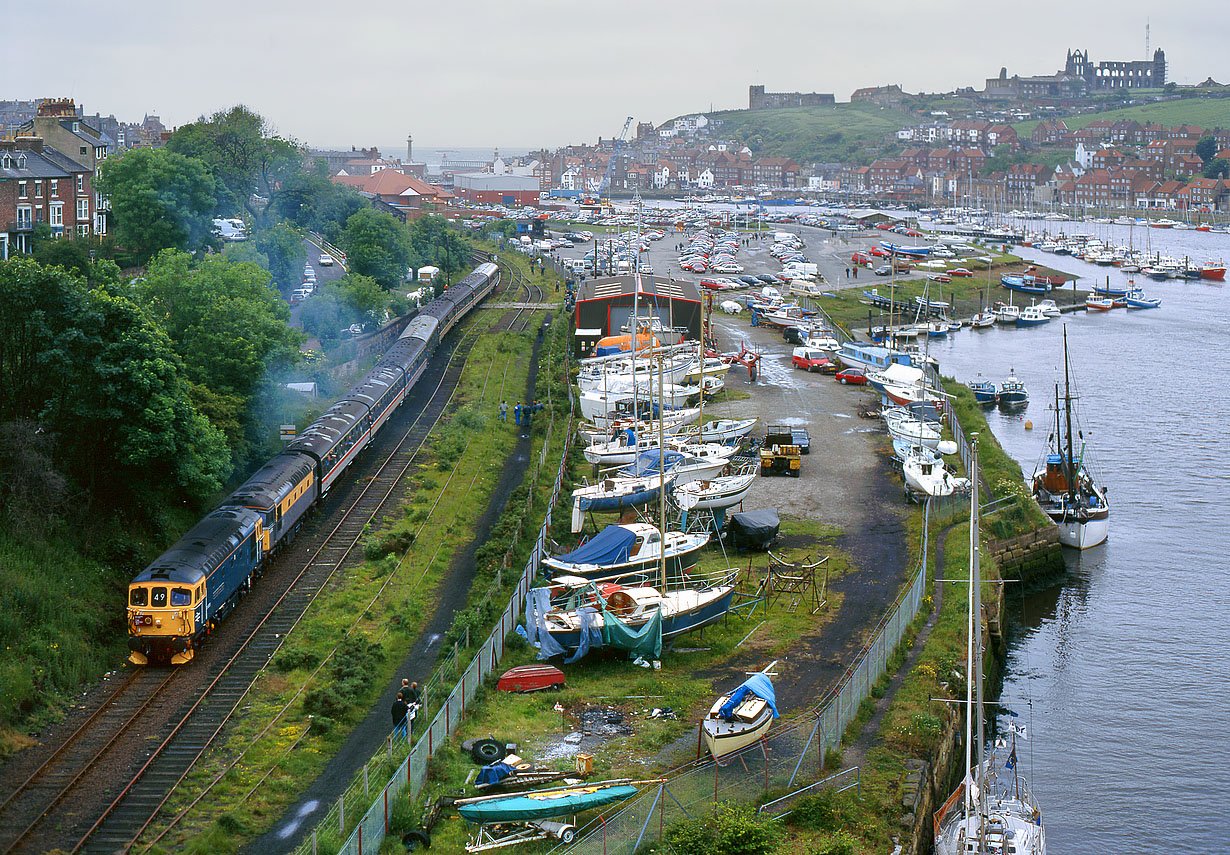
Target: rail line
200, 718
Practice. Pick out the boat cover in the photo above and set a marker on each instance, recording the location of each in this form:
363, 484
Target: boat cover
494, 773
647, 463
612, 545
545, 804
753, 529
758, 685
645, 641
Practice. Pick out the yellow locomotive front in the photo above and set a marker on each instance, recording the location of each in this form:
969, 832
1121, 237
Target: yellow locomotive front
163, 618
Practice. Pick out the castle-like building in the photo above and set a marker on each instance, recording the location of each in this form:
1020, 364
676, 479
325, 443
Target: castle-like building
758, 99
1080, 76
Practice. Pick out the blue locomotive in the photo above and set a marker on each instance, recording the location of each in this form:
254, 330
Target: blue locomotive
179, 598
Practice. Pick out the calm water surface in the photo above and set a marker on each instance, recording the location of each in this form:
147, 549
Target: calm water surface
1127, 664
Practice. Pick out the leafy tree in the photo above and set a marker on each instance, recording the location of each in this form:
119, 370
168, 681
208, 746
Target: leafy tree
243, 155
159, 200
436, 244
1206, 148
1218, 167
377, 246
103, 382
364, 297
229, 327
283, 250
325, 315
310, 200
70, 253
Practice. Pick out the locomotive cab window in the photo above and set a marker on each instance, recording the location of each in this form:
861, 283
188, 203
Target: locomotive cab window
158, 597
136, 597
181, 597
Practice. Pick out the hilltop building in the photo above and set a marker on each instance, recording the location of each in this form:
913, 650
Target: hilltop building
758, 99
1079, 77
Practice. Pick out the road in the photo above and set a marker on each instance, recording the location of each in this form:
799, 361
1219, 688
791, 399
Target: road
323, 274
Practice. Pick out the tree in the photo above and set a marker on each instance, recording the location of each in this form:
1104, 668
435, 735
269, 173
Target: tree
436, 244
243, 155
283, 250
229, 328
378, 246
159, 200
1206, 148
1218, 167
311, 201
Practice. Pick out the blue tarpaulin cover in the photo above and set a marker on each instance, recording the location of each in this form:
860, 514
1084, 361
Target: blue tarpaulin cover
758, 685
609, 546
647, 463
494, 773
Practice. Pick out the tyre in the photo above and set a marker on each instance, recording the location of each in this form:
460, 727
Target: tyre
414, 840
567, 834
487, 751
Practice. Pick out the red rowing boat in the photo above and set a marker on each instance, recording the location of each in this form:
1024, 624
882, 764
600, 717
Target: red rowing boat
531, 678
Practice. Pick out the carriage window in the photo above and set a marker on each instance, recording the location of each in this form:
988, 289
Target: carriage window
181, 597
136, 597
158, 597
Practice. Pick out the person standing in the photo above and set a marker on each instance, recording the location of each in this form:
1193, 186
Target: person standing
847, 272
517, 414
503, 411
399, 710
410, 691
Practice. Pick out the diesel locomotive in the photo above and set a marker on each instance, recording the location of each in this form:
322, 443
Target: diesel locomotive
180, 598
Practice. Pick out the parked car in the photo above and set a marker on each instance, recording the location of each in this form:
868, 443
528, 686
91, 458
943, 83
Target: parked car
959, 271
801, 438
794, 335
326, 260
808, 358
852, 377
883, 270
748, 280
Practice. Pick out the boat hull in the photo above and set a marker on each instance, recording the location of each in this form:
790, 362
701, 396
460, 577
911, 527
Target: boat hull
1082, 534
727, 740
672, 626
531, 678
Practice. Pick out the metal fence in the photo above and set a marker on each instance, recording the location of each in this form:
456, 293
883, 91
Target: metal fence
370, 831
789, 755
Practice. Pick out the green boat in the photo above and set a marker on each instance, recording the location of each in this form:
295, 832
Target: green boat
544, 804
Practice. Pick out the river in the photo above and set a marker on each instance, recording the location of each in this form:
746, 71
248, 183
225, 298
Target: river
1122, 673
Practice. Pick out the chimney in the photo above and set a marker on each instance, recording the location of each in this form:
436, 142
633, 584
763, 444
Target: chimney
409, 148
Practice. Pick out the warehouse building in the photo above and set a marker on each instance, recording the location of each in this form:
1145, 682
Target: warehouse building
489, 188
605, 306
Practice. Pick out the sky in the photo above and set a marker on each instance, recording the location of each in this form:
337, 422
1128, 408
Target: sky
535, 73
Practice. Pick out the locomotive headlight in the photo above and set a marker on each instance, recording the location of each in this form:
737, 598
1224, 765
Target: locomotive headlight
158, 623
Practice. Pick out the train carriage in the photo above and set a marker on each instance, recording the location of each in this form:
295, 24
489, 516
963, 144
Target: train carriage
175, 600
382, 390
334, 439
281, 491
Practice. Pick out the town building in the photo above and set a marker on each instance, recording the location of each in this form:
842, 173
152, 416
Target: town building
758, 99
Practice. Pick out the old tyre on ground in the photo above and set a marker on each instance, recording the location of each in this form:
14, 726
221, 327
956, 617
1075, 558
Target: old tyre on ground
414, 840
487, 751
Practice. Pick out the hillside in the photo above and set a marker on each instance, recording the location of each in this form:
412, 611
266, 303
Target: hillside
808, 134
1208, 112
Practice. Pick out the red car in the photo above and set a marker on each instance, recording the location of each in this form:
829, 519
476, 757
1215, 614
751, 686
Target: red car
852, 377
809, 359
959, 271
878, 252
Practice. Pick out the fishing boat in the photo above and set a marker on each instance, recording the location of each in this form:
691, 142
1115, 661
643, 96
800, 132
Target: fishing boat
629, 550
723, 492
1109, 290
1025, 283
1012, 392
985, 392
739, 718
1099, 304
992, 811
1063, 485
1006, 313
1213, 270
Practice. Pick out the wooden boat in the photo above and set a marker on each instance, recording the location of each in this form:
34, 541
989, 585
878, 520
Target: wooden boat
1099, 304
739, 718
531, 678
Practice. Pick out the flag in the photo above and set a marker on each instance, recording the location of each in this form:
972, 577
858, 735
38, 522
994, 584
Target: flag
1011, 764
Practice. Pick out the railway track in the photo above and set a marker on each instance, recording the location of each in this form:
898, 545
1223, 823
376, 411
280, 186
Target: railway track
518, 280
70, 803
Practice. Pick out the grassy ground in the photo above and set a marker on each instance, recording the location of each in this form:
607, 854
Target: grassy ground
830, 133
1208, 112
344, 651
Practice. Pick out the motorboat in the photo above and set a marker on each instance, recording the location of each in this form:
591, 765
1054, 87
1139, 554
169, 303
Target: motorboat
982, 320
1049, 308
1213, 270
739, 718
723, 492
1025, 283
631, 549
1012, 392
1031, 316
1099, 304
1006, 313
1063, 485
1136, 299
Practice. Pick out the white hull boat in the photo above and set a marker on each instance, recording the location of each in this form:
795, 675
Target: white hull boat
724, 492
926, 476
602, 427
741, 717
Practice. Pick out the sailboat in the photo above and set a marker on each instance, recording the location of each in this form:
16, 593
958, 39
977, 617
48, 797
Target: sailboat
740, 717
1064, 486
992, 811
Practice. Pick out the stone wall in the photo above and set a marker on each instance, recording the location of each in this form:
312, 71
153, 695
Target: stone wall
1033, 557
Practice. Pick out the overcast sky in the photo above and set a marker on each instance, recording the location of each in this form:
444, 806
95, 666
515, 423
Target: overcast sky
549, 72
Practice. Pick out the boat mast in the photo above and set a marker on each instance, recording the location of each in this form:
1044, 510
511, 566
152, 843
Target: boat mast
969, 641
976, 621
661, 487
1070, 463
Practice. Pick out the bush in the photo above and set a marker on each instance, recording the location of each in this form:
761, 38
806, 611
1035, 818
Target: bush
842, 843
736, 830
351, 671
289, 660
825, 811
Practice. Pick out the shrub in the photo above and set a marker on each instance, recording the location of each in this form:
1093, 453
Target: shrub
842, 843
825, 811
736, 830
292, 660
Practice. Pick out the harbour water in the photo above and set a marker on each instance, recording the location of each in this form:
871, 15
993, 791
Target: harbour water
1122, 673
